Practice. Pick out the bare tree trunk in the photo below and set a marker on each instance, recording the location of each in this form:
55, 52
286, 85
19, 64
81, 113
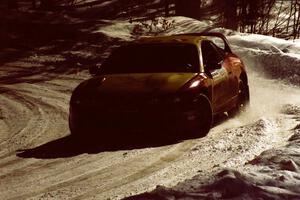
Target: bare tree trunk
297, 25
167, 8
290, 16
253, 14
243, 14
230, 14
47, 4
277, 18
34, 4
188, 8
265, 18
295, 20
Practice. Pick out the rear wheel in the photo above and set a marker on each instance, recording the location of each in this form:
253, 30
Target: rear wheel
243, 99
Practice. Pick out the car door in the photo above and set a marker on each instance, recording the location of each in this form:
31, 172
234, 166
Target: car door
231, 69
213, 62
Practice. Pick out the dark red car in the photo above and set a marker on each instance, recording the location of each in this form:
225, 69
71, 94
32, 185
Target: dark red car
176, 83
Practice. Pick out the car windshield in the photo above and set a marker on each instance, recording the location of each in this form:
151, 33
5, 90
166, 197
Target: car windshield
152, 58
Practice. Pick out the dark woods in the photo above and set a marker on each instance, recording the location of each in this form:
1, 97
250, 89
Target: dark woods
270, 17
279, 18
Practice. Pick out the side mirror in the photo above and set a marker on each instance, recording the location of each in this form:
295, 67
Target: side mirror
218, 65
211, 67
215, 65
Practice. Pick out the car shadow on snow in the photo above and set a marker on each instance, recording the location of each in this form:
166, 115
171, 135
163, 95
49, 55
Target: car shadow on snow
69, 146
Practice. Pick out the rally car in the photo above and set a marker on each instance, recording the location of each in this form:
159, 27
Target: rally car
175, 84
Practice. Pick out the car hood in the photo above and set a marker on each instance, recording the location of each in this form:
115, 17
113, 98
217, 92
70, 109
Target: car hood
134, 84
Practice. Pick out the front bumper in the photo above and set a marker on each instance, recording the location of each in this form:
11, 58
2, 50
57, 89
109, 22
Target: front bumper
146, 119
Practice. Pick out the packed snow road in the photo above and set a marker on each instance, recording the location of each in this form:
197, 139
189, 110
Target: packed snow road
39, 161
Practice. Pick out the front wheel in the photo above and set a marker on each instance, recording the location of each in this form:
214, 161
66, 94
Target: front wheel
203, 118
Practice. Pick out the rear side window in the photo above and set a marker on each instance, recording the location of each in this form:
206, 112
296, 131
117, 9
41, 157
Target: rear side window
152, 58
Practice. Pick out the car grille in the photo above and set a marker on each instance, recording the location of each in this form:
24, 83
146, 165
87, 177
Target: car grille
124, 113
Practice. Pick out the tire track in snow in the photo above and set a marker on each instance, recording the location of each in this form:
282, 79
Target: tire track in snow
173, 153
24, 115
34, 115
43, 109
109, 172
38, 122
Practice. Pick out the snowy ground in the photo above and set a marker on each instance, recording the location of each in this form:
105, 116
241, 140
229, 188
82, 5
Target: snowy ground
253, 155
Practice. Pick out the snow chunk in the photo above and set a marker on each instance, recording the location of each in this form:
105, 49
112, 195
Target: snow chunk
290, 109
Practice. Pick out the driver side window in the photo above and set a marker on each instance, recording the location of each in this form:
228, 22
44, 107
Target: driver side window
211, 57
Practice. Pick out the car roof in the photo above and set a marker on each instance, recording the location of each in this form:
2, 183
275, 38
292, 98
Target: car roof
186, 38
180, 39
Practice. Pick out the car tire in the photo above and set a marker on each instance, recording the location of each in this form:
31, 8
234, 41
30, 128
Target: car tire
73, 132
204, 118
76, 137
243, 99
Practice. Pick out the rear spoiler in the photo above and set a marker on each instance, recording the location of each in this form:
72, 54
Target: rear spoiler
213, 34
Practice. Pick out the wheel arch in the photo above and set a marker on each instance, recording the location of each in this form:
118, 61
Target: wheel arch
207, 92
244, 77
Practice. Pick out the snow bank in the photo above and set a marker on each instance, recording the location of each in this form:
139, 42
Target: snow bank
272, 57
128, 30
274, 174
267, 43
